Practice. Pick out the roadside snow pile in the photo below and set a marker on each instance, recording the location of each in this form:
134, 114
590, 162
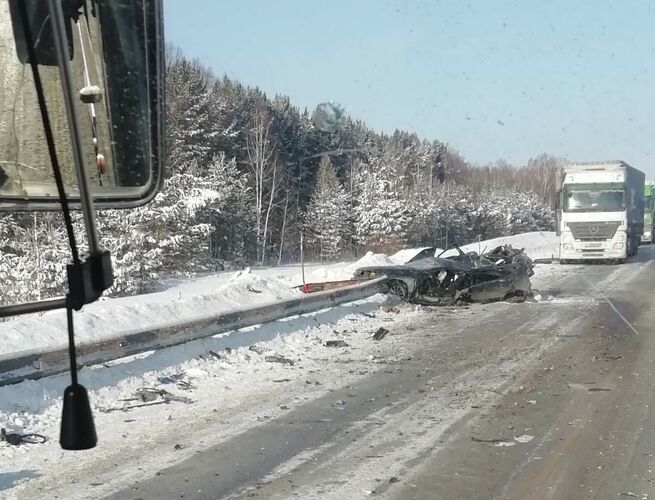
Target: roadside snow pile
537, 245
374, 259
115, 316
322, 273
407, 254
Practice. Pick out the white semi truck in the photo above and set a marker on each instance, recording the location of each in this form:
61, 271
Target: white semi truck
600, 213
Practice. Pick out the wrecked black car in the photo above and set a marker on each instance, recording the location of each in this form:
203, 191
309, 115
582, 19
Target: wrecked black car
501, 274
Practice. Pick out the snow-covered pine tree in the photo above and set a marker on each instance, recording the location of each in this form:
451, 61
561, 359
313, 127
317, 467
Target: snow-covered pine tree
191, 136
383, 215
327, 220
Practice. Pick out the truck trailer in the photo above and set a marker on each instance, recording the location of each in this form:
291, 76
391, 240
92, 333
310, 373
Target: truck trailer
649, 212
600, 212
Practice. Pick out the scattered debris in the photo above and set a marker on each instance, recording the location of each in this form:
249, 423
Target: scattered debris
367, 314
390, 309
215, 355
493, 440
178, 446
336, 343
282, 380
505, 444
380, 333
393, 479
523, 438
598, 389
171, 379
253, 290
284, 407
18, 439
276, 358
178, 380
258, 349
148, 396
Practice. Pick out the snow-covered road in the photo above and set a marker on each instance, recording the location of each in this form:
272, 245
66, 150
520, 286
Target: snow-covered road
232, 392
240, 391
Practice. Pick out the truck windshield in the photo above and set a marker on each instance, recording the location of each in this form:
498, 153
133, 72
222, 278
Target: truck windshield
610, 199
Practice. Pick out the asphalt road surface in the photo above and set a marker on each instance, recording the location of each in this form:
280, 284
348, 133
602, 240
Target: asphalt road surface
552, 399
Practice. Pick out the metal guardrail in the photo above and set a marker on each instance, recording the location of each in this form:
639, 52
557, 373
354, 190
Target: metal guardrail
39, 363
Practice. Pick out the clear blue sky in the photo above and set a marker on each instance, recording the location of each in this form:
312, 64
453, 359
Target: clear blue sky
495, 79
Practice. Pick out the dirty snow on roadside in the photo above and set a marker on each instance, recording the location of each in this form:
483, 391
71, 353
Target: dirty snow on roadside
202, 381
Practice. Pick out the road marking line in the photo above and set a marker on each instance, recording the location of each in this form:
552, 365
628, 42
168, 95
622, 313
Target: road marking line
611, 304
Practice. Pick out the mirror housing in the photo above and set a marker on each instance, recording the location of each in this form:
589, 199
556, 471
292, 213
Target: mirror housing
116, 52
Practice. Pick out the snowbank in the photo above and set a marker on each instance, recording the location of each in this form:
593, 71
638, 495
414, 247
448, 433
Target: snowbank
538, 245
227, 293
374, 259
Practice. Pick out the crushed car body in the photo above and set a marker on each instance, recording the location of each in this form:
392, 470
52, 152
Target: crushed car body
501, 274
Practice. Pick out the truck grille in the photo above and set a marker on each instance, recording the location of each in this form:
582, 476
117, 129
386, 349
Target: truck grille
593, 231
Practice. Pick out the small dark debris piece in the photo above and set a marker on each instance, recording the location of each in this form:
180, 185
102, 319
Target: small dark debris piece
480, 440
257, 349
18, 439
171, 379
367, 315
598, 389
178, 446
282, 380
276, 358
336, 343
380, 333
284, 407
215, 355
393, 479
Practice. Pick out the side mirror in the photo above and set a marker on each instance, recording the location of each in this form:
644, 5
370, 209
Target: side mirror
116, 52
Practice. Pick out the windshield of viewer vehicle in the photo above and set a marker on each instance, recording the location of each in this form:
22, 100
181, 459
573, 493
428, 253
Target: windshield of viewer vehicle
398, 253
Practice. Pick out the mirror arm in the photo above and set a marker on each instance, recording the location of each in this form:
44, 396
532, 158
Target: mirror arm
32, 307
93, 274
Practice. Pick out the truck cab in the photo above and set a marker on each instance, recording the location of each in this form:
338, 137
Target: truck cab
601, 211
